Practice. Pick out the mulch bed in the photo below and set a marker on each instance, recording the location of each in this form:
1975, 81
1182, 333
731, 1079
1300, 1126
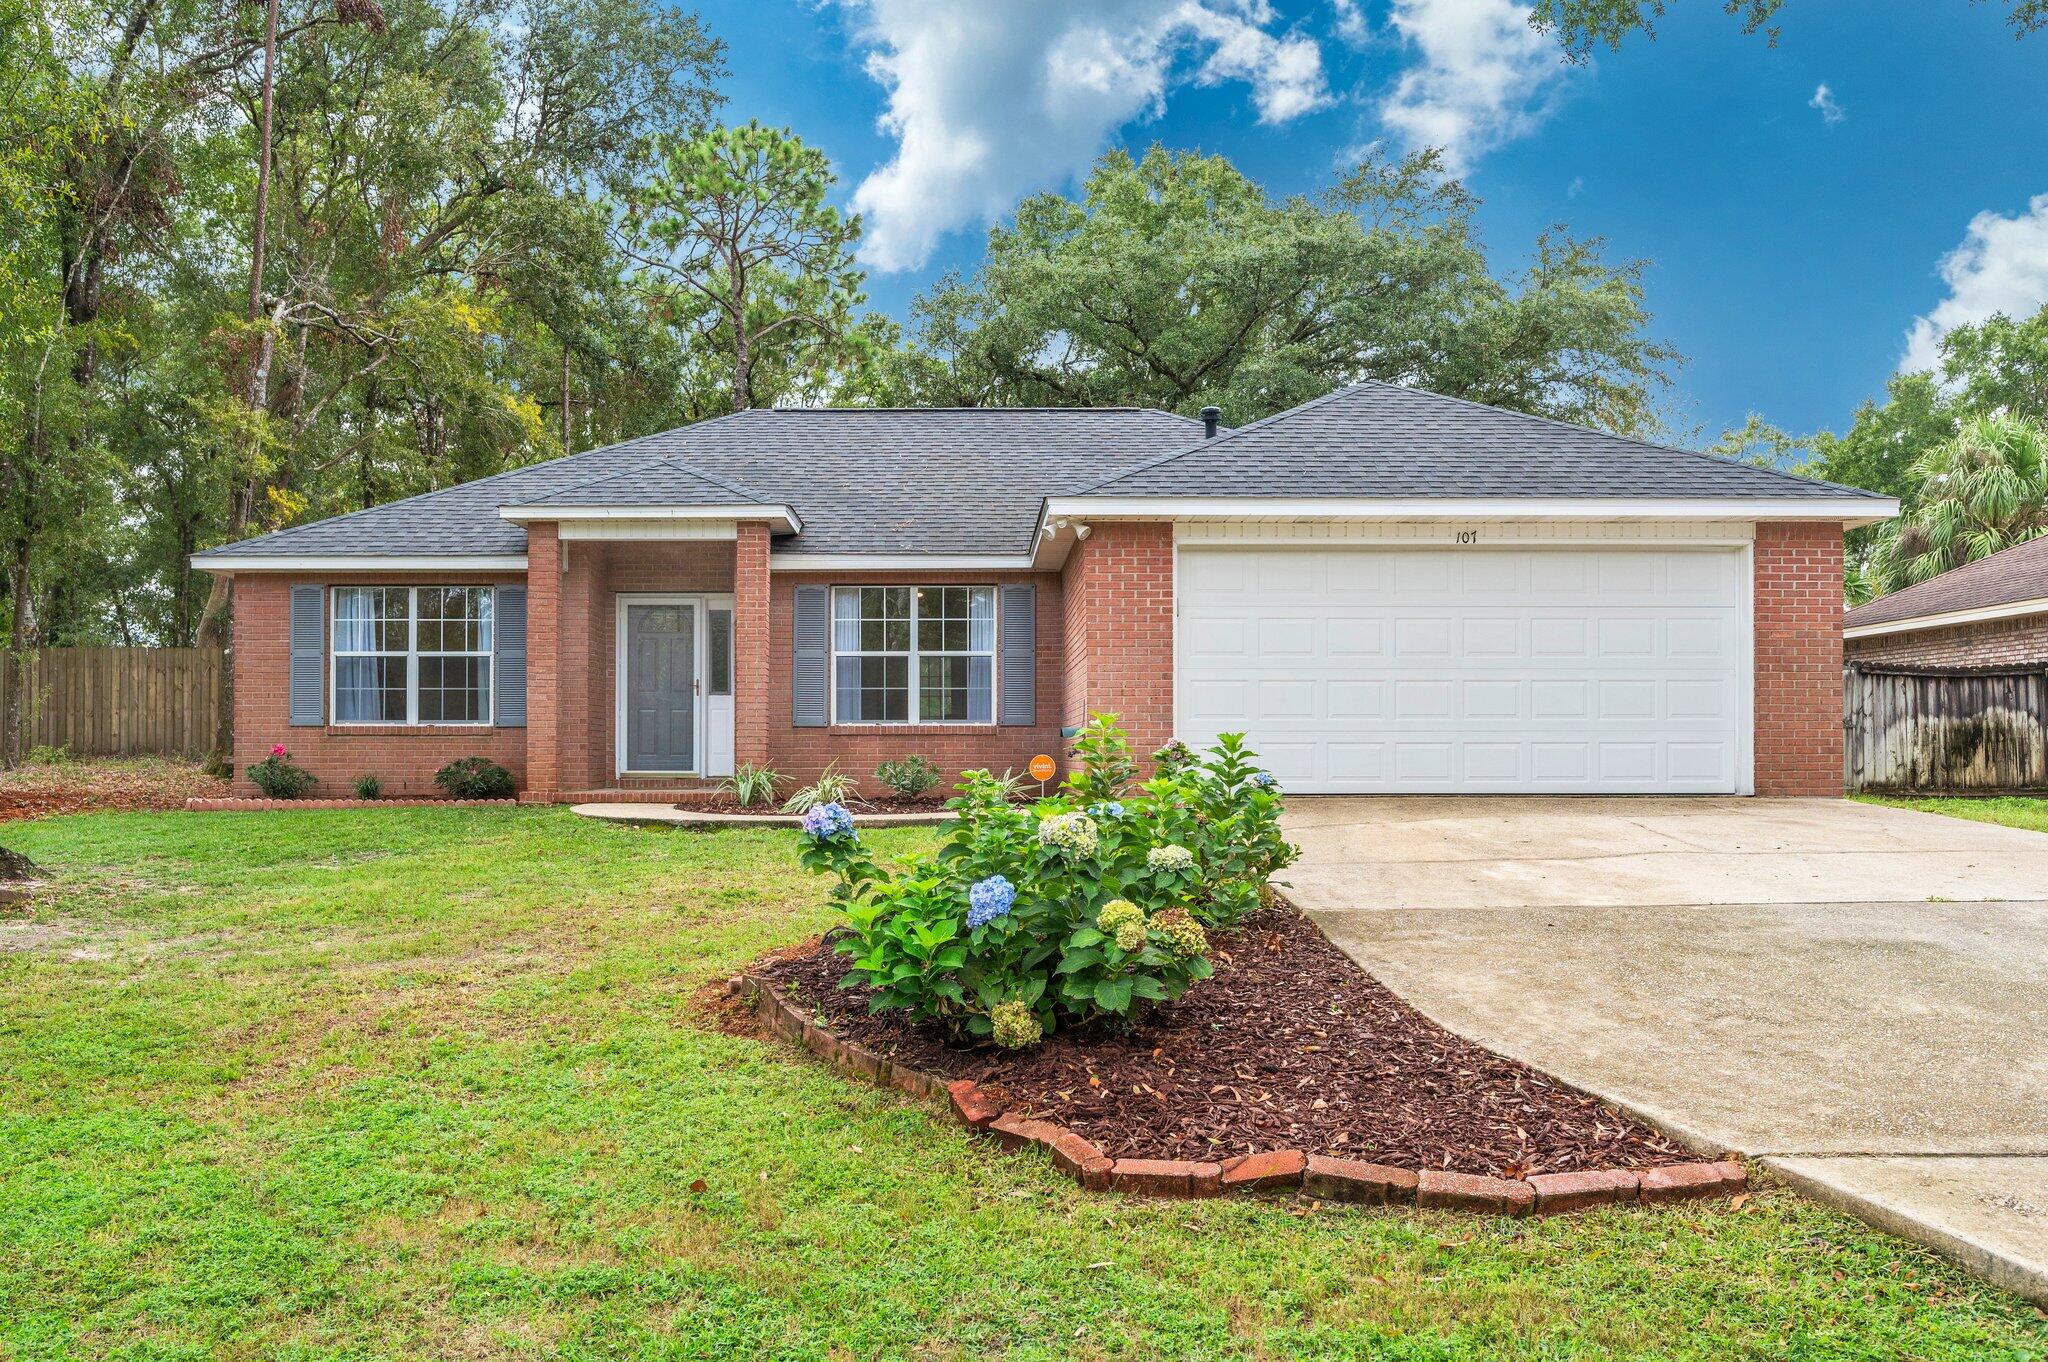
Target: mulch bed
91, 787
1290, 1046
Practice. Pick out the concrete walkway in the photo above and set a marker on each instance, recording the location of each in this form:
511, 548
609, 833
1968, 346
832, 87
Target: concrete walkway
1857, 996
672, 816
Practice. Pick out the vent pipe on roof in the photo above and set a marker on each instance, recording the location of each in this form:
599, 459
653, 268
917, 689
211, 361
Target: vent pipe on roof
1210, 417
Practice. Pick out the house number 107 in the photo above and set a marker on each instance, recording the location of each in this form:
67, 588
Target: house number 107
1468, 536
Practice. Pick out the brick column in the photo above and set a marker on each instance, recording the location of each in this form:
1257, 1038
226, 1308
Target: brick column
543, 662
579, 675
1119, 630
750, 643
1798, 623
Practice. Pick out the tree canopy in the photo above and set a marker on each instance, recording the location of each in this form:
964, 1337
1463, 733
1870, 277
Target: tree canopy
1173, 280
1583, 25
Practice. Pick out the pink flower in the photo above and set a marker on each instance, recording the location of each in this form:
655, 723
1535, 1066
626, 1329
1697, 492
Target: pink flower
277, 751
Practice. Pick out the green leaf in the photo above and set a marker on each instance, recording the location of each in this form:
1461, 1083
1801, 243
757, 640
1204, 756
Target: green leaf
1114, 995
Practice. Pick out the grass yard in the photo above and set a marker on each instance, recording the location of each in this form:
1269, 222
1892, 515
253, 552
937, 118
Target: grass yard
430, 1083
2015, 811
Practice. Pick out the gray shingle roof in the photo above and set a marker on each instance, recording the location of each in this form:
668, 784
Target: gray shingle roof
1377, 440
971, 480
943, 481
2007, 577
664, 482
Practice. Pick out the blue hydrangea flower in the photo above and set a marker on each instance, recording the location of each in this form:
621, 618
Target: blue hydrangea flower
1113, 809
989, 900
827, 821
1264, 780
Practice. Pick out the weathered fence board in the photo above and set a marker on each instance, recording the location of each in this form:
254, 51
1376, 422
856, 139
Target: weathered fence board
124, 702
1978, 730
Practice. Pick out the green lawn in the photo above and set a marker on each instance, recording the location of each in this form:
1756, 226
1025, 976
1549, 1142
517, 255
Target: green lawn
417, 1084
2015, 811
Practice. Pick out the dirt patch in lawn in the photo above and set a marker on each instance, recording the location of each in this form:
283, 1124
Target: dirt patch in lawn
1290, 1046
725, 803
101, 786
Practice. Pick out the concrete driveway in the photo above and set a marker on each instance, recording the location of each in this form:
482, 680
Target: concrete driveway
1857, 996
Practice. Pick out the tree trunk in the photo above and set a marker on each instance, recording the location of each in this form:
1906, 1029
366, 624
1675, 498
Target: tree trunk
567, 446
742, 367
214, 620
20, 704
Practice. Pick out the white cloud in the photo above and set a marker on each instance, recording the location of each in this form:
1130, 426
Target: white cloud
1824, 100
1576, 187
991, 99
1349, 22
2001, 266
1481, 80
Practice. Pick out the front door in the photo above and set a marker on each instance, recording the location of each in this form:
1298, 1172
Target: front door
661, 687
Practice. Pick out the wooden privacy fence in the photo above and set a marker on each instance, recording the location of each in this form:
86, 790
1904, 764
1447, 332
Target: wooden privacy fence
126, 702
1967, 729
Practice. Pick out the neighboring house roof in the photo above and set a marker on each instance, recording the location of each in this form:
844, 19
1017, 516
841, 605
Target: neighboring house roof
972, 481
2012, 581
1378, 440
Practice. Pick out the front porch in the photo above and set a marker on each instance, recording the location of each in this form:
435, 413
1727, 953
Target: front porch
647, 660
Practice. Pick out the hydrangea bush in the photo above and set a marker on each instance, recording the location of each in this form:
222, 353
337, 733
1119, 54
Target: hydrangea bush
1080, 910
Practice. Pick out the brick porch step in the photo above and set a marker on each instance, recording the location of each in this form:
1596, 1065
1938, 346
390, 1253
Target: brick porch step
703, 793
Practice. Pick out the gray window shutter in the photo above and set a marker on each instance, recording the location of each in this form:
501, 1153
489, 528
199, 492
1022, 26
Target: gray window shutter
809, 682
309, 656
508, 670
1017, 617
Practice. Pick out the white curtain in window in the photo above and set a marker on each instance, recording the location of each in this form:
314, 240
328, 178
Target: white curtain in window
846, 621
355, 616
981, 620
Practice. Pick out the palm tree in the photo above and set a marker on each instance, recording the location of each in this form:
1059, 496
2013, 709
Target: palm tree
1983, 490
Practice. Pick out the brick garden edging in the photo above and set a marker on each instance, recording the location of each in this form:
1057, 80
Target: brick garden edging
1313, 1175
253, 804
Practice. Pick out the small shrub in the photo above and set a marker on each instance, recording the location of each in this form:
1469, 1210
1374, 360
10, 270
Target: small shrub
831, 788
278, 778
369, 787
475, 778
750, 784
910, 778
42, 754
1081, 910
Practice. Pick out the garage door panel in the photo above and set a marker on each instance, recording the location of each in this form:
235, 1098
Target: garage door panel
1436, 670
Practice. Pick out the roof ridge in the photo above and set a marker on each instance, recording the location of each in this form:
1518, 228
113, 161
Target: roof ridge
1212, 441
958, 411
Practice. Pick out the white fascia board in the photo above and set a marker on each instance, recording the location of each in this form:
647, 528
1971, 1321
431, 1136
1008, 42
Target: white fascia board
1948, 619
1851, 511
314, 562
899, 562
782, 516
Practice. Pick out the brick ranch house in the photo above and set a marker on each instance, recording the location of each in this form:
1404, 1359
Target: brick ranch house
1389, 590
1990, 613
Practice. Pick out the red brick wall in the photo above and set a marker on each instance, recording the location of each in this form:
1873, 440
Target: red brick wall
801, 753
543, 672
1119, 635
403, 758
1798, 603
1984, 644
752, 656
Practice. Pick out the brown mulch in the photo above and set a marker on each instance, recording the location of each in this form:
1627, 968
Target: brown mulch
99, 786
1289, 1046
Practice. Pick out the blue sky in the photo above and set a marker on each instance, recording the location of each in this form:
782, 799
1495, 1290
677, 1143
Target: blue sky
1795, 247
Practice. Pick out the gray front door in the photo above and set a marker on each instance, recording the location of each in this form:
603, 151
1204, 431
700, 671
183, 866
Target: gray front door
661, 691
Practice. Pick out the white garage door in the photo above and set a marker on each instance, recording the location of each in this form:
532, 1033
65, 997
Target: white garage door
1587, 670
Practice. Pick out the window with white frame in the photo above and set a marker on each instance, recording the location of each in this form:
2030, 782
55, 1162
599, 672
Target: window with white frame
913, 654
412, 654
